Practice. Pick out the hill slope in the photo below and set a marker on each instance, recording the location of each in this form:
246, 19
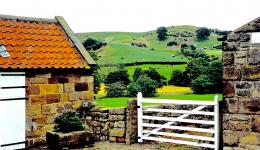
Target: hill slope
119, 49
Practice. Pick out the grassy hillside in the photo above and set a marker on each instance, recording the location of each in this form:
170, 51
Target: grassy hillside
119, 49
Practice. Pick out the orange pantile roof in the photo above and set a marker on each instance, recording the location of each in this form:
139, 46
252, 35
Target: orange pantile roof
40, 43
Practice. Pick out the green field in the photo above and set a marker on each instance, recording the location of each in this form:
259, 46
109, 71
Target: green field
121, 102
119, 49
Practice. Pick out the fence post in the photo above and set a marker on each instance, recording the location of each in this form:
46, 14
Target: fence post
216, 119
139, 116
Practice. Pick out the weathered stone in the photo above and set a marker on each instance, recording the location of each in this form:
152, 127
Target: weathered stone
50, 119
240, 61
53, 98
83, 95
69, 87
38, 80
253, 56
256, 124
74, 96
229, 90
49, 109
239, 125
37, 99
117, 132
232, 46
117, 111
47, 128
34, 90
39, 120
116, 117
112, 139
50, 88
230, 138
230, 105
119, 124
228, 58
232, 37
250, 139
34, 110
251, 72
68, 105
243, 85
81, 86
64, 97
227, 148
245, 37
76, 104
60, 107
120, 140
251, 106
231, 73
243, 92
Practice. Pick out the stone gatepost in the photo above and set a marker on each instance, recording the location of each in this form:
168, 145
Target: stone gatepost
241, 77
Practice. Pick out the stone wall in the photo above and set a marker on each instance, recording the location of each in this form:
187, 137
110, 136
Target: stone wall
115, 125
50, 93
241, 77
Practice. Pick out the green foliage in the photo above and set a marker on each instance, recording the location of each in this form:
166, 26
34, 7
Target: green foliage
179, 78
148, 86
138, 73
97, 81
116, 76
154, 75
202, 84
171, 43
68, 121
116, 89
133, 89
161, 33
203, 33
92, 44
215, 72
196, 67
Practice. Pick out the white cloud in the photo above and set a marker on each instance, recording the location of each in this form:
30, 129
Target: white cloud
138, 15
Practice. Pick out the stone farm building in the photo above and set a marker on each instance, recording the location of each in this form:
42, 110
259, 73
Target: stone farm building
58, 70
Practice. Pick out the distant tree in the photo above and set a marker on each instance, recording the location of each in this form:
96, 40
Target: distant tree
148, 86
161, 33
197, 67
116, 89
138, 73
116, 76
215, 72
202, 84
93, 44
176, 78
133, 89
155, 75
203, 33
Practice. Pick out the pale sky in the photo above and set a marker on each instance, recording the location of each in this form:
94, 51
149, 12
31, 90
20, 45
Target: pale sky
137, 15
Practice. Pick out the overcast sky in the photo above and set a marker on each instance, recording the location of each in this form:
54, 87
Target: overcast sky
137, 15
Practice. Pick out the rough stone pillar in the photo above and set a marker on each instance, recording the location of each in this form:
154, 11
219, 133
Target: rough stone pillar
241, 77
131, 120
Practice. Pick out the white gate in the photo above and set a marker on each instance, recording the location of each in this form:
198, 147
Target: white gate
12, 110
195, 136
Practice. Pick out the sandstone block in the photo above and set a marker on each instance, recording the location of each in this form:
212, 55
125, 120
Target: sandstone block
47, 128
256, 124
250, 139
50, 119
249, 106
69, 87
231, 73
251, 72
43, 75
117, 132
76, 104
119, 124
53, 98
120, 140
253, 56
34, 110
116, 117
83, 95
74, 96
67, 105
112, 139
49, 108
230, 105
64, 97
230, 138
228, 58
243, 85
117, 111
243, 92
51, 88
38, 80
34, 90
40, 120
229, 90
37, 99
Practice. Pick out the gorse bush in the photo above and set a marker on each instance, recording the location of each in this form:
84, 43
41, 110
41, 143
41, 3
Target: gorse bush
116, 89
68, 121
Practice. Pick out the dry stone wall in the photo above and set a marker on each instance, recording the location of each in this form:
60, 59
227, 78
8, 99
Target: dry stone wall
241, 75
50, 93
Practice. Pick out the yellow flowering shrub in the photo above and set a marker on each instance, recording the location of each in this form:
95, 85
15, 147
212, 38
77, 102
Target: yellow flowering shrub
173, 89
